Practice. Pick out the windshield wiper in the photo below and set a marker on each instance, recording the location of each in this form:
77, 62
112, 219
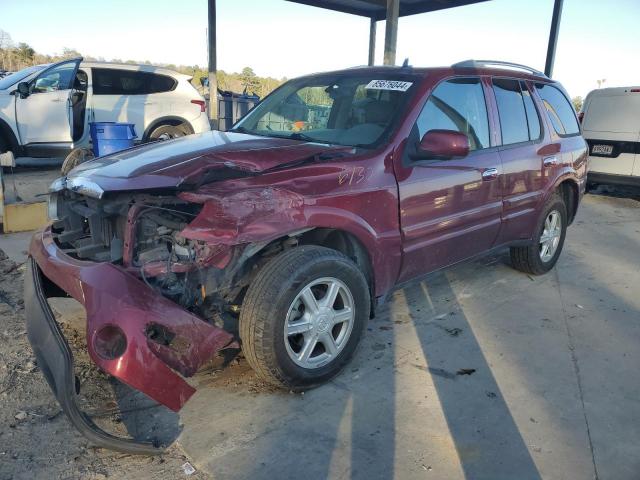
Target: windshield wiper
241, 130
303, 136
293, 136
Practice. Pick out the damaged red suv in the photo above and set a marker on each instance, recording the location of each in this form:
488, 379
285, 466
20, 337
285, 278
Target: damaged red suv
282, 235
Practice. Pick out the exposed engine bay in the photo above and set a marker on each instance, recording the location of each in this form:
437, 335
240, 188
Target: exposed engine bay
142, 233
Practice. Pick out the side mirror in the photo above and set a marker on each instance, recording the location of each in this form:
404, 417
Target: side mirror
23, 89
443, 145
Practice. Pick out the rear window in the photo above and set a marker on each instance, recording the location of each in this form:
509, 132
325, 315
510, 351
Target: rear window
613, 113
107, 81
561, 113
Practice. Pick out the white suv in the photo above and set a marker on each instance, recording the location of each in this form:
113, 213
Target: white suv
45, 109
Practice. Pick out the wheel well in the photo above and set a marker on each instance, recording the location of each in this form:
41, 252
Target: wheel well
343, 242
568, 190
7, 136
173, 121
347, 244
339, 240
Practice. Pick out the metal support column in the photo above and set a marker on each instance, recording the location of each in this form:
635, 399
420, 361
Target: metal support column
213, 81
391, 32
553, 37
372, 42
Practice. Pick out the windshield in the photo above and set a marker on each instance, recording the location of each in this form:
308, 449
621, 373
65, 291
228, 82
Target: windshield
16, 77
349, 108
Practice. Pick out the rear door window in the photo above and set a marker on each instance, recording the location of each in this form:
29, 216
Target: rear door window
519, 120
457, 104
511, 109
107, 81
561, 113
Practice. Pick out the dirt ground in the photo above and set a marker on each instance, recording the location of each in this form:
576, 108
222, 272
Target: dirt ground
36, 440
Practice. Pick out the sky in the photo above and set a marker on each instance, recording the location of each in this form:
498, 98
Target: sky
598, 39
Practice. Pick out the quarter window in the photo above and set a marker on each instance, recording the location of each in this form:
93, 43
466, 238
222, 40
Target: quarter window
511, 109
107, 81
533, 119
561, 113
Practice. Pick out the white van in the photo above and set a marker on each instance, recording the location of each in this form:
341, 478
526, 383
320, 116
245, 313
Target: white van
45, 110
611, 127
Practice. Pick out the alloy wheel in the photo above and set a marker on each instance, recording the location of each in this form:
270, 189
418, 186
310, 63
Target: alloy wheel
550, 238
319, 322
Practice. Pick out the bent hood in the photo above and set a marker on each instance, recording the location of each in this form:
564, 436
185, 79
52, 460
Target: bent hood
193, 160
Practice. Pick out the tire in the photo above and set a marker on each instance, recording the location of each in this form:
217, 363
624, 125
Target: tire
530, 258
4, 145
275, 296
167, 132
75, 158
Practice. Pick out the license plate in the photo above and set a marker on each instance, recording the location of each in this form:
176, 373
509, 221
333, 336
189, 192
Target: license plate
602, 149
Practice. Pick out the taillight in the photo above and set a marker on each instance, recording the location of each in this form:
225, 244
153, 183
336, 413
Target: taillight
580, 116
201, 103
635, 90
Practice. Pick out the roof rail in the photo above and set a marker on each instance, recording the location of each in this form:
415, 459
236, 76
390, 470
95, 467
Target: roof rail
484, 63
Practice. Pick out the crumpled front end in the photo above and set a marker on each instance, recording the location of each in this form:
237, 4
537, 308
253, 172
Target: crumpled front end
161, 274
134, 332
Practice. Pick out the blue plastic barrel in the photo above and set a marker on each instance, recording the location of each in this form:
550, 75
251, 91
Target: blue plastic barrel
110, 137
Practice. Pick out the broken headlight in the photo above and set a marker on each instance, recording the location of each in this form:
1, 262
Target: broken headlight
53, 209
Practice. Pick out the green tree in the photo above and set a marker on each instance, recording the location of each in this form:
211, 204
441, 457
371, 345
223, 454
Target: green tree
249, 80
70, 53
577, 103
25, 53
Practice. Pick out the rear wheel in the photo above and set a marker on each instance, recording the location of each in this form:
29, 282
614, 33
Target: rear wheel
303, 316
166, 132
543, 253
75, 158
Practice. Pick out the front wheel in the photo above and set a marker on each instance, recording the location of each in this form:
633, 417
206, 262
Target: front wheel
303, 316
543, 253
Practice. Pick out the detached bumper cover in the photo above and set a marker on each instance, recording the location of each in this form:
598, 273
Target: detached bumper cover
56, 362
112, 296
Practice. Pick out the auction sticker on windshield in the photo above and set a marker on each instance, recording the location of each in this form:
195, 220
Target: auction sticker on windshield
389, 85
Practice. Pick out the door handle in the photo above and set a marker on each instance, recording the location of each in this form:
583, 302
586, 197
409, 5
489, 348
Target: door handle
489, 174
57, 100
550, 161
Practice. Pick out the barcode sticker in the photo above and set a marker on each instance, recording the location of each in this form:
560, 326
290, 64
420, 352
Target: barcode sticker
388, 85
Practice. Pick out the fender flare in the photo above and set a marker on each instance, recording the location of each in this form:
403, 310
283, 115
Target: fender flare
286, 213
166, 120
566, 174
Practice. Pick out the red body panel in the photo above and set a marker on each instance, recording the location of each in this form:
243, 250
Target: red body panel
113, 297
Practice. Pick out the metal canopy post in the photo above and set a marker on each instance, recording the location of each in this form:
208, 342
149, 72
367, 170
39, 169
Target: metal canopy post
391, 32
213, 81
372, 42
553, 37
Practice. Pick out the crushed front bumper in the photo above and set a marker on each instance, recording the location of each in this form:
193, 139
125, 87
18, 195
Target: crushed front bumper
113, 297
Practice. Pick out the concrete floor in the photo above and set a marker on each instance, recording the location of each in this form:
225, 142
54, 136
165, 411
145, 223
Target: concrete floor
28, 184
551, 389
554, 394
